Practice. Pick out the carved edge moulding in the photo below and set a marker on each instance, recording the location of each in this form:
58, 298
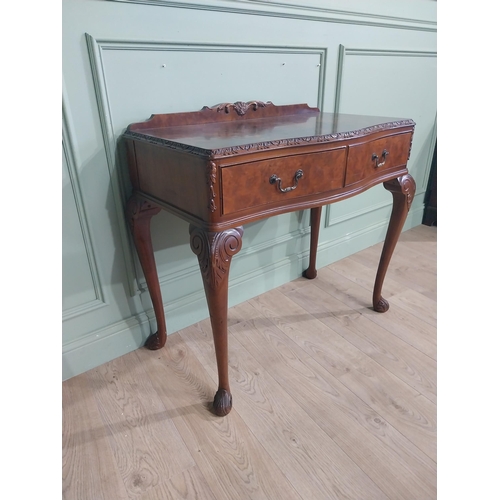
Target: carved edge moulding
241, 108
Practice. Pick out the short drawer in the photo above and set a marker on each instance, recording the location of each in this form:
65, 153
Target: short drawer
282, 179
370, 158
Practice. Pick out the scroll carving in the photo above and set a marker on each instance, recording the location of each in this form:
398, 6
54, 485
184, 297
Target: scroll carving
214, 252
406, 185
240, 107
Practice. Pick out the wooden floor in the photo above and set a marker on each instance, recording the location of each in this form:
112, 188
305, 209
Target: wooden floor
331, 399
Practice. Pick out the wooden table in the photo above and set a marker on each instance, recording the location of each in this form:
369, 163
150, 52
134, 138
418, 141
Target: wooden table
234, 163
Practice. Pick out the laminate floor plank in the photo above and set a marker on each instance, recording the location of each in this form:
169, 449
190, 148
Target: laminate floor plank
404, 255
411, 268
313, 463
188, 485
364, 276
89, 470
398, 468
142, 434
232, 461
385, 393
420, 243
417, 304
331, 399
421, 249
420, 236
414, 330
420, 303
403, 360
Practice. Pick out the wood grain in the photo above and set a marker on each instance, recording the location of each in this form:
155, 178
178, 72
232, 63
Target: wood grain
188, 485
403, 360
364, 276
312, 462
400, 322
89, 470
364, 435
140, 428
232, 461
384, 392
420, 277
331, 399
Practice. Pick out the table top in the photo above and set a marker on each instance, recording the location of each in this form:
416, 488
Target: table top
223, 130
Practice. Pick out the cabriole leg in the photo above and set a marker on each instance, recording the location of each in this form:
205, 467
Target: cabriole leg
139, 214
311, 271
403, 191
215, 251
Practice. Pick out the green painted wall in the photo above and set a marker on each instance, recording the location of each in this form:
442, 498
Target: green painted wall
125, 60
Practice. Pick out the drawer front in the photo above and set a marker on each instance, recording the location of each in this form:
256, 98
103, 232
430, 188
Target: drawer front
279, 179
374, 157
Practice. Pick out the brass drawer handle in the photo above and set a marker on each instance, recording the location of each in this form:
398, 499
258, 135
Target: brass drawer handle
385, 153
274, 178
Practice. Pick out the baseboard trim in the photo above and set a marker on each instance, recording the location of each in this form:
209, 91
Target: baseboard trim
103, 345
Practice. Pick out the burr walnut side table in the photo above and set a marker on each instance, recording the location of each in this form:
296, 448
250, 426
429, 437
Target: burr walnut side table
234, 163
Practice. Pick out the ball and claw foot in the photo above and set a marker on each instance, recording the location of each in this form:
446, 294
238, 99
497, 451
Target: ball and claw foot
153, 342
381, 306
223, 402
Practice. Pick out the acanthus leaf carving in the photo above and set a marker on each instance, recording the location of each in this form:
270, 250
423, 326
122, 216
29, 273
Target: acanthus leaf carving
239, 106
215, 251
212, 179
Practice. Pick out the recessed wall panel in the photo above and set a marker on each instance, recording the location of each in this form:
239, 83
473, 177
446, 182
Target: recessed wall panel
143, 78
396, 84
77, 284
140, 78
393, 83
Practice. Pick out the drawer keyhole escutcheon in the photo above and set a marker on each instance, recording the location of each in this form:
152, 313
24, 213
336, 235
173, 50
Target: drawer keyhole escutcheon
298, 175
385, 153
